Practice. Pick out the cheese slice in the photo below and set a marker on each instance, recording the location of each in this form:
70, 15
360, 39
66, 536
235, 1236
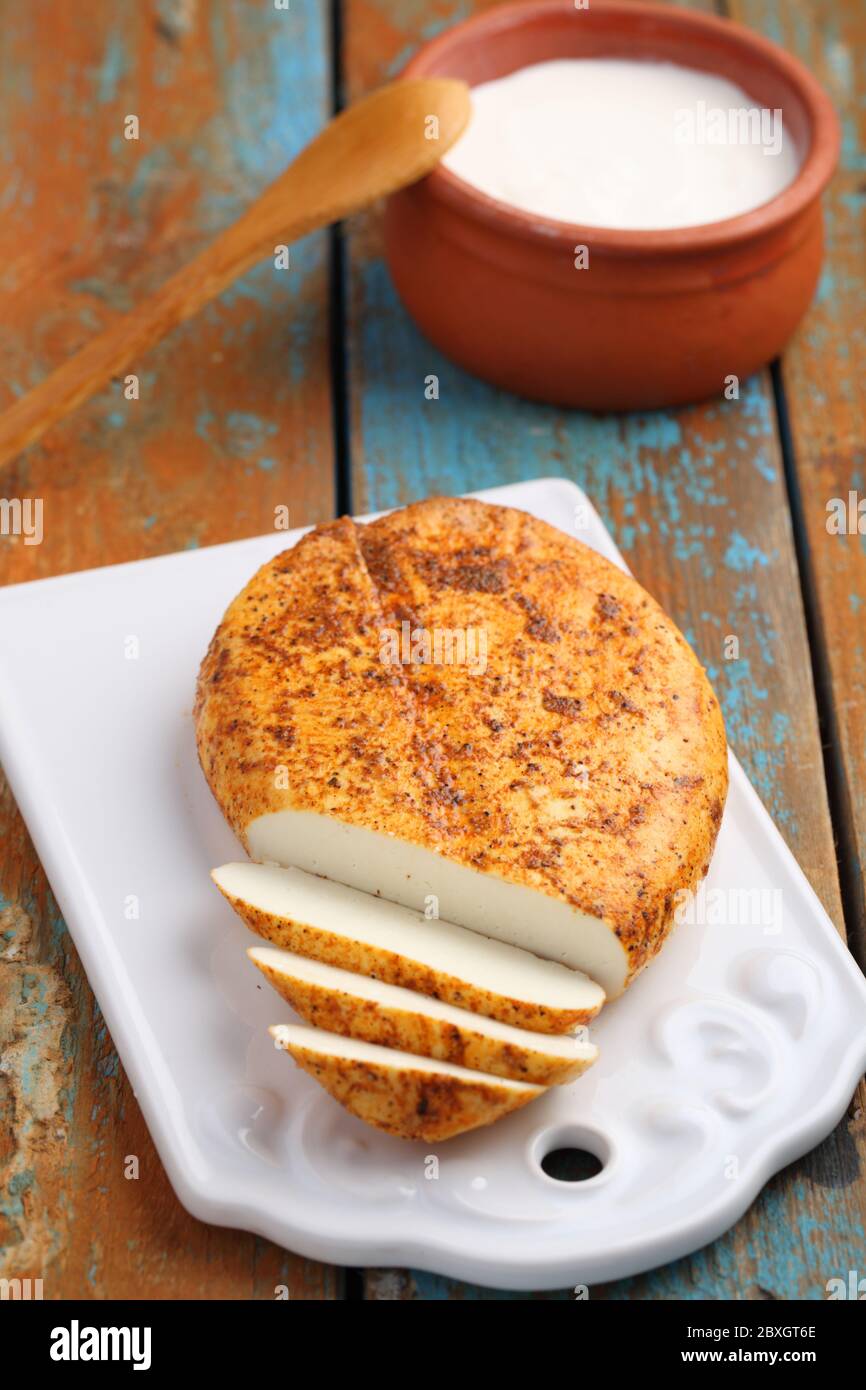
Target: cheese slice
341, 1002
369, 936
407, 1096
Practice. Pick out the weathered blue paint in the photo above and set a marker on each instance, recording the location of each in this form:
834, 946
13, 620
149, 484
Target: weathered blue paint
742, 555
114, 66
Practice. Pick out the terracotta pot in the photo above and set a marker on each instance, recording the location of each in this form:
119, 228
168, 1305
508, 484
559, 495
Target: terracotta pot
660, 317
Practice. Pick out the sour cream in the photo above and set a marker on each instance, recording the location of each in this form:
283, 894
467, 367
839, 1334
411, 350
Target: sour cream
611, 142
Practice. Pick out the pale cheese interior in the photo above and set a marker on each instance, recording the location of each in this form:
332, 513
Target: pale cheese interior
408, 874
439, 945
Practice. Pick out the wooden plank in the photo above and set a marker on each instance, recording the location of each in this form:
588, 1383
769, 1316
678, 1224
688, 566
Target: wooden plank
234, 412
234, 419
697, 502
823, 377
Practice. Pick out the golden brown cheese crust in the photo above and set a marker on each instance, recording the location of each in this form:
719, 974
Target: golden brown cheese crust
339, 1011
588, 760
411, 1104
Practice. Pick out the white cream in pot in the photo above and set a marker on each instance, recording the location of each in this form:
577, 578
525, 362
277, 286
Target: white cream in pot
612, 142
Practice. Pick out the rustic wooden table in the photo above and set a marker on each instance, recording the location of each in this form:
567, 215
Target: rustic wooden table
308, 390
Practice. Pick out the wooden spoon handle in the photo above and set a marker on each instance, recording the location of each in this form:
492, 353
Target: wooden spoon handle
367, 151
132, 334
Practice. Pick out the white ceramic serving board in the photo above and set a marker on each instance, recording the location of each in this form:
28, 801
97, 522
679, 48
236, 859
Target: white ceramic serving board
736, 1051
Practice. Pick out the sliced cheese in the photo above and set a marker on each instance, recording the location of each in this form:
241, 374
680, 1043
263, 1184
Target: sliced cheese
407, 1096
340, 926
367, 1009
408, 874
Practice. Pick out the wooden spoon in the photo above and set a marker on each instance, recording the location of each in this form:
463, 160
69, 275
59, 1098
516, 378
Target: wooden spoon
382, 143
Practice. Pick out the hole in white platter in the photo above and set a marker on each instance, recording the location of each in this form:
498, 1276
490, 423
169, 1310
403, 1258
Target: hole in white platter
571, 1154
571, 1165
